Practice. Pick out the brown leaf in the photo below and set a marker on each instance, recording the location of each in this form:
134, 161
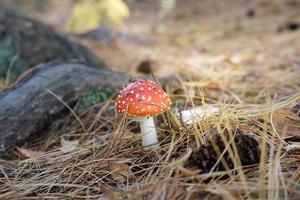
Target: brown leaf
108, 194
287, 122
28, 153
121, 172
285, 115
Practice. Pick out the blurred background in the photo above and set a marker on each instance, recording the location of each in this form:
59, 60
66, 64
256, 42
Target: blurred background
164, 37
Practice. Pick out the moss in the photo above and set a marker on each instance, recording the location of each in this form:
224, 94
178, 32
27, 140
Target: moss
25, 43
11, 64
94, 97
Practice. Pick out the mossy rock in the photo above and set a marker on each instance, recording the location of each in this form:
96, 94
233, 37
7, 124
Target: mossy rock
25, 43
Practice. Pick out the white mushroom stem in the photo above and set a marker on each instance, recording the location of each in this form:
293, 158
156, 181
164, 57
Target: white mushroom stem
148, 131
193, 115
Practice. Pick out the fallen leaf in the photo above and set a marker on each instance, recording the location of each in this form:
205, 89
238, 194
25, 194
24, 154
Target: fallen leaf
286, 122
120, 172
285, 116
108, 194
28, 153
68, 146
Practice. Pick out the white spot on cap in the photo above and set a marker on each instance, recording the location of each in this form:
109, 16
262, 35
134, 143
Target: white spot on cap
143, 97
149, 88
149, 98
131, 91
123, 102
142, 89
131, 99
137, 95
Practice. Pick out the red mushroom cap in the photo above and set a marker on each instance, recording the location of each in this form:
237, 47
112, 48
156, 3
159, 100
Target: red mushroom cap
142, 98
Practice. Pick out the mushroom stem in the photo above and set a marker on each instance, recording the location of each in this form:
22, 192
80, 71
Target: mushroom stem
149, 135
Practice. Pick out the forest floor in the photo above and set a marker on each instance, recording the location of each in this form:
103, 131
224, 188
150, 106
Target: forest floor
241, 56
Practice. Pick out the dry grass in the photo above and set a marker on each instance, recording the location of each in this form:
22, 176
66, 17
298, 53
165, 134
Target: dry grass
243, 66
110, 163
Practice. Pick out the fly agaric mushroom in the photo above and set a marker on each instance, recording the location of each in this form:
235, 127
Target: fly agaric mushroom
141, 100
